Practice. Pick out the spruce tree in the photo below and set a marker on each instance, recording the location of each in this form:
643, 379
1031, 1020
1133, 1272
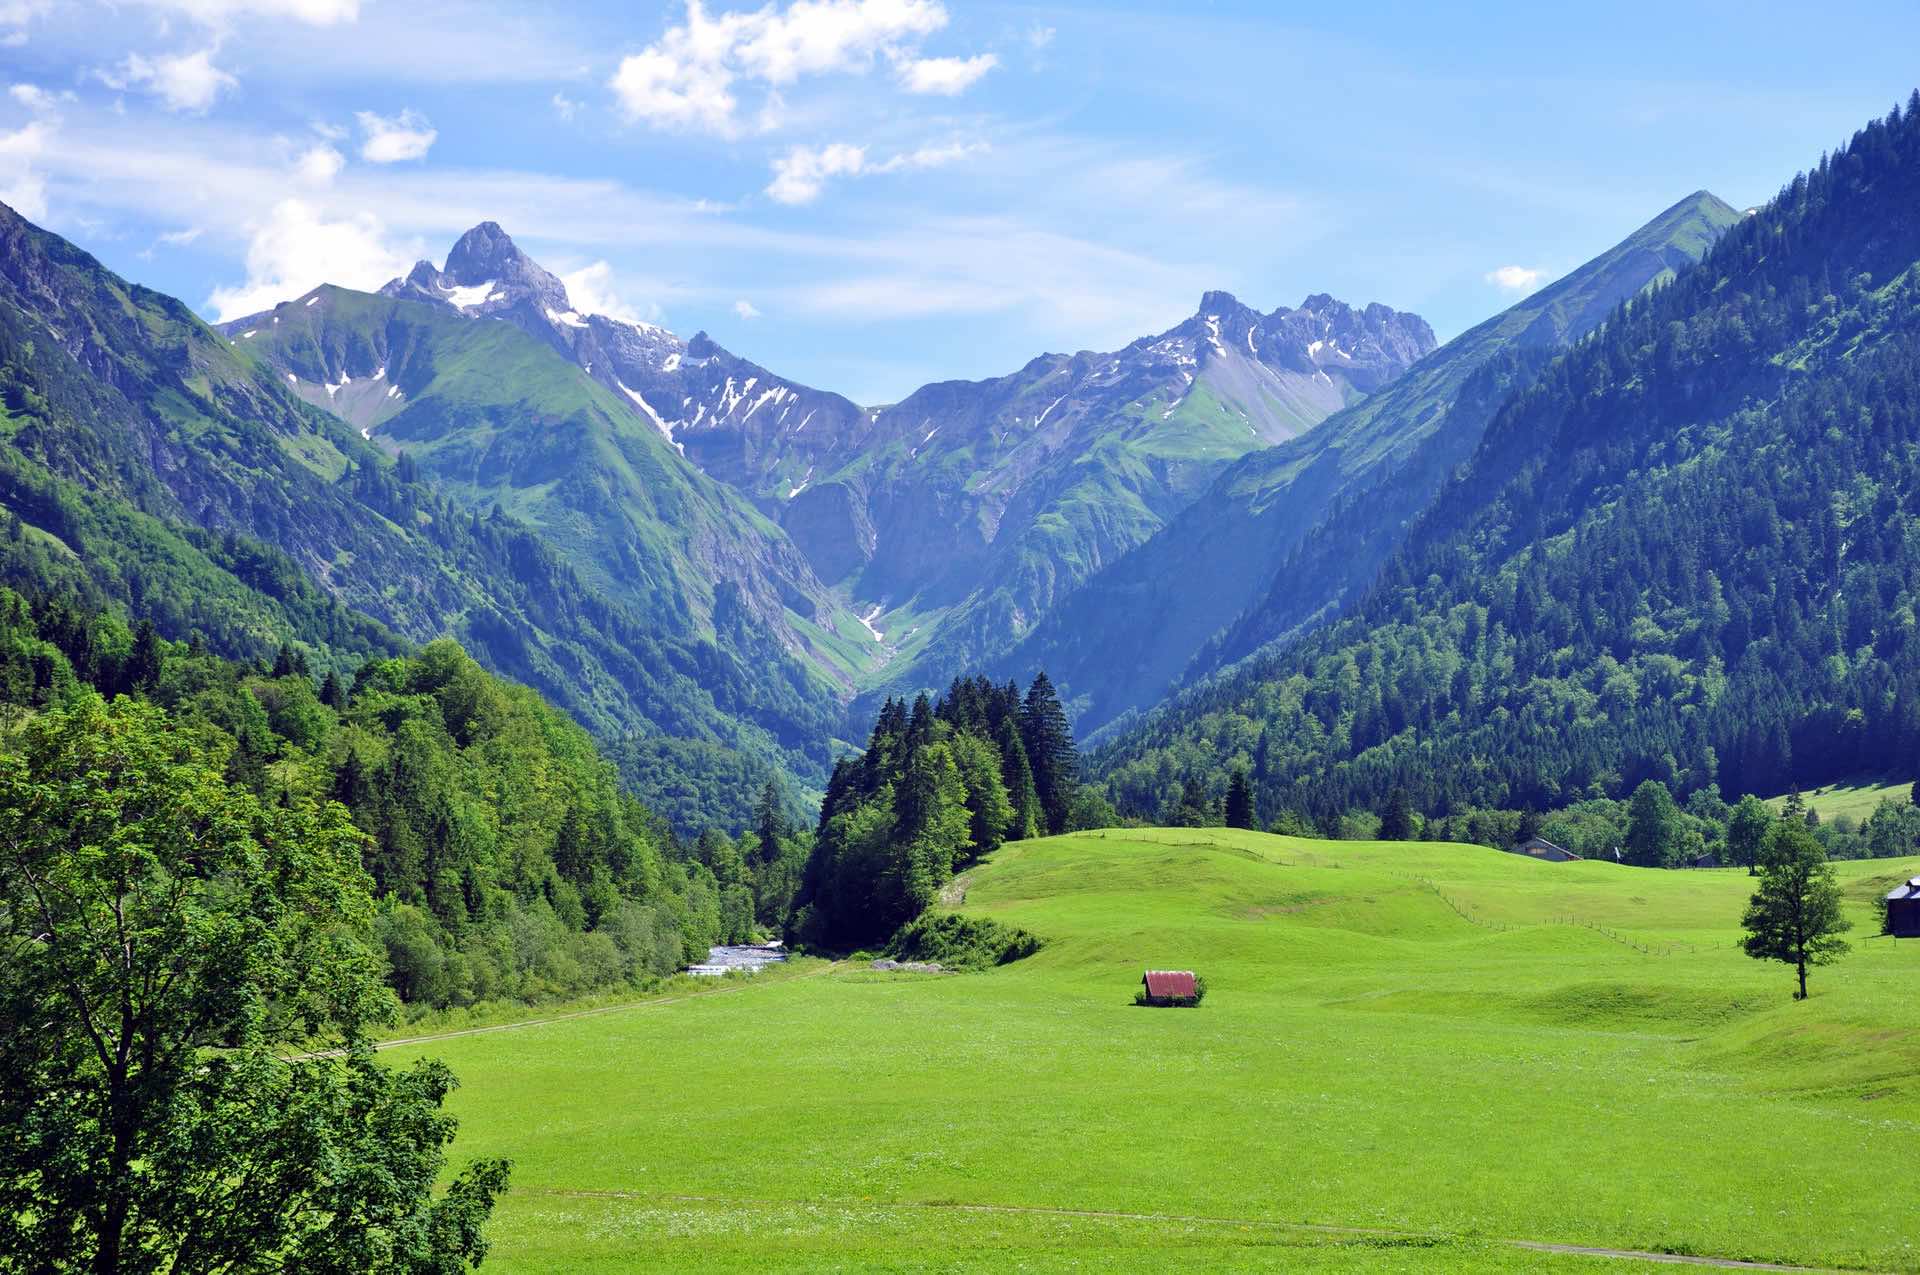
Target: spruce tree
1050, 752
1017, 775
770, 823
1396, 817
145, 661
1239, 801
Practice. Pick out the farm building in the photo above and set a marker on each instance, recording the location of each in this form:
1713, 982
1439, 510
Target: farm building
1169, 987
1903, 910
1705, 859
1541, 848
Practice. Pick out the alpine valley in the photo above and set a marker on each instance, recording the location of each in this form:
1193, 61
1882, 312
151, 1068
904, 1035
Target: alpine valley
486, 777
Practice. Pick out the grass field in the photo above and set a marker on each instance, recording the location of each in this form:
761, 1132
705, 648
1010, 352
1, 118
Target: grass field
1858, 799
1410, 1056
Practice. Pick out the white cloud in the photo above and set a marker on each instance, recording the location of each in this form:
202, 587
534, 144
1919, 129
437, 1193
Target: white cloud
1515, 278
184, 82
298, 247
15, 15
392, 140
745, 309
319, 164
319, 13
1039, 37
565, 107
686, 79
947, 77
803, 172
929, 157
37, 99
591, 291
181, 238
22, 186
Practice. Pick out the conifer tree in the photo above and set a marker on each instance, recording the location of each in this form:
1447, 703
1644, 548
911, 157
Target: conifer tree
1239, 801
1396, 817
1050, 752
770, 823
1017, 775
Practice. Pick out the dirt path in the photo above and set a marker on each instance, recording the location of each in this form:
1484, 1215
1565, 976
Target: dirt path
1317, 1228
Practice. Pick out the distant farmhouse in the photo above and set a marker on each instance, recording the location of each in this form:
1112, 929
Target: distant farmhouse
1541, 848
1903, 910
1705, 859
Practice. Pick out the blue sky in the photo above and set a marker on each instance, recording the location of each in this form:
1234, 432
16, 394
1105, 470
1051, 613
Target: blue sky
866, 195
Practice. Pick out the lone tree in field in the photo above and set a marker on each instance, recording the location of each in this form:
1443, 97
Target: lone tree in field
1239, 801
186, 1083
1795, 915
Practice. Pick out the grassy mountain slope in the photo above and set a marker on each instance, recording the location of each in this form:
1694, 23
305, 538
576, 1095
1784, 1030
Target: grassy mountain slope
499, 417
179, 474
1686, 551
1425, 1039
1117, 644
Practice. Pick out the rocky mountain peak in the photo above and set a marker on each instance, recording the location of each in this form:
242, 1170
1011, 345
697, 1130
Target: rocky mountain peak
486, 251
1220, 303
485, 273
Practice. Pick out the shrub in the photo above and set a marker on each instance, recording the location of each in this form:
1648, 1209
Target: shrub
961, 942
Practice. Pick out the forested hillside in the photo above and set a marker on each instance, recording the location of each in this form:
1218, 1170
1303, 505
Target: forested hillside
1236, 567
153, 463
939, 786
506, 860
1685, 552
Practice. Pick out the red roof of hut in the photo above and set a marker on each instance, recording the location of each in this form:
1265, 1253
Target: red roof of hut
1169, 983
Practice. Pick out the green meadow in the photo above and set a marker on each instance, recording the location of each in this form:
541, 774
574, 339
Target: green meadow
1859, 799
1411, 1056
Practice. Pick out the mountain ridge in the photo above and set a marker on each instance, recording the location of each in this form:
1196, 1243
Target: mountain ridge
1213, 564
1683, 552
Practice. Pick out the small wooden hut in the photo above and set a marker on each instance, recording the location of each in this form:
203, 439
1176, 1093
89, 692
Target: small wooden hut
1903, 910
1169, 987
1541, 848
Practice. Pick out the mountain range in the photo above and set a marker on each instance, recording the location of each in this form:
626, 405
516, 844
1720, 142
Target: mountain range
714, 567
935, 532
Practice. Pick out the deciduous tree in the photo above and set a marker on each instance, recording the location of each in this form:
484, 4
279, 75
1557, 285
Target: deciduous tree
1795, 917
186, 1082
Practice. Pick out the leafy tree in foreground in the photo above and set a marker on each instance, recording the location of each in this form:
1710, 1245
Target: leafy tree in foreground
1794, 917
172, 946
